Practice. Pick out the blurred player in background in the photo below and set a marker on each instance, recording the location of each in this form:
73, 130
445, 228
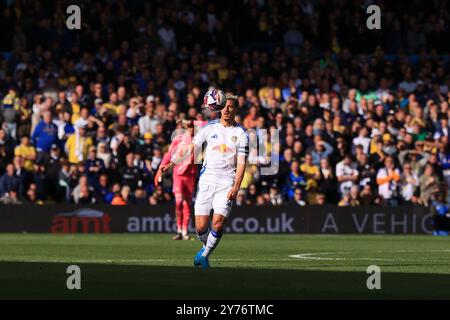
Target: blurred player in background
184, 176
220, 177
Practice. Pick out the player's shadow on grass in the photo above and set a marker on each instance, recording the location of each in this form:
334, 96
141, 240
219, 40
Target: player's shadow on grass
25, 280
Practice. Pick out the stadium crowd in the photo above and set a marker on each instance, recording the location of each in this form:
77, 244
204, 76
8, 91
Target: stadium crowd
86, 115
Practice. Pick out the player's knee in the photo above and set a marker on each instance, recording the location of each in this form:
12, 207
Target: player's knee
217, 226
179, 203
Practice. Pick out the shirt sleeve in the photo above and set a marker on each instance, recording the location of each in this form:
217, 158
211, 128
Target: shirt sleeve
243, 144
168, 156
200, 137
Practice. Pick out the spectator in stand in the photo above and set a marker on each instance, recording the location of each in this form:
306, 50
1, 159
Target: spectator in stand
408, 185
312, 177
10, 113
103, 189
388, 178
8, 180
131, 174
45, 134
295, 180
12, 197
80, 189
275, 197
327, 183
140, 197
297, 198
367, 173
428, 185
367, 196
78, 144
103, 154
346, 174
159, 196
118, 199
322, 150
93, 166
350, 199
363, 140
53, 164
148, 122
86, 196
27, 152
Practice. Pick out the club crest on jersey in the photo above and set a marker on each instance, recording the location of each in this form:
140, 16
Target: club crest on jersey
234, 139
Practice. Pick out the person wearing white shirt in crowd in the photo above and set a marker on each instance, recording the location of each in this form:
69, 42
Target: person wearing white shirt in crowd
362, 139
148, 122
408, 183
351, 97
346, 174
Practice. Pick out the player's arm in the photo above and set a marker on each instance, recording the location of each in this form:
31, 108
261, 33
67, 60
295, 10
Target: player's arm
178, 157
240, 167
240, 171
165, 160
183, 153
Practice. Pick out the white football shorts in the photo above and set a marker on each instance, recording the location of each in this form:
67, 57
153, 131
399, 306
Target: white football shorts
212, 197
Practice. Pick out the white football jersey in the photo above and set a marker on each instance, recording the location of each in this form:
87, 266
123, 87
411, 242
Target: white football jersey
223, 145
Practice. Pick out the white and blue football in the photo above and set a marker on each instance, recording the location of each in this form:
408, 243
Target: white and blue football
214, 100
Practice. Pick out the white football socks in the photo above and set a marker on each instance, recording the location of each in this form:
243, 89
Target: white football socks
203, 237
212, 242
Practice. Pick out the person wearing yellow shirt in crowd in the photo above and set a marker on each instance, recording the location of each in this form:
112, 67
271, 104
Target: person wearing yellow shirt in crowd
27, 152
312, 176
269, 91
113, 104
311, 171
78, 144
76, 108
377, 153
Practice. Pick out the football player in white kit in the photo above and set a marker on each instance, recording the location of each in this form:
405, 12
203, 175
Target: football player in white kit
220, 177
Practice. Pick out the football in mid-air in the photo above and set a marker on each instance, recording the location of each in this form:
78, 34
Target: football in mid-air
214, 100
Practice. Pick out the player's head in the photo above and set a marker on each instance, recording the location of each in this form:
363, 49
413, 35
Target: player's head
188, 124
231, 107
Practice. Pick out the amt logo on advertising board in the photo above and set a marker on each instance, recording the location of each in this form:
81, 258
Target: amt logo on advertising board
81, 221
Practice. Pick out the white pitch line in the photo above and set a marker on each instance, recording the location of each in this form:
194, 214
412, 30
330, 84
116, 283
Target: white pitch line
313, 256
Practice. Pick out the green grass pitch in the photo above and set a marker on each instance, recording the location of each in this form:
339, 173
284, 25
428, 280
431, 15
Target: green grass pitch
151, 266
